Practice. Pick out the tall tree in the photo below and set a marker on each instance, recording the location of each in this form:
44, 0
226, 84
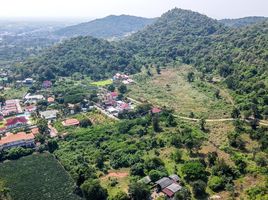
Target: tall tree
92, 190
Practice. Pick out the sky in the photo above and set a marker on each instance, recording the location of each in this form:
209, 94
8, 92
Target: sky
217, 9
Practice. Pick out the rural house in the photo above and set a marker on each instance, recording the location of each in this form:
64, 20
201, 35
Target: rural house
17, 140
16, 122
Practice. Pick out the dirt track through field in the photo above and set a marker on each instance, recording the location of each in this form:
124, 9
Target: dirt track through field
116, 175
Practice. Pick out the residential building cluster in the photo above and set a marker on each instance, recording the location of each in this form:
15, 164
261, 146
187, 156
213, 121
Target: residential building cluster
166, 186
11, 107
112, 104
123, 78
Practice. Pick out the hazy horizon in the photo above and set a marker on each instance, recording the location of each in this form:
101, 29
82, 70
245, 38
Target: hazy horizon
91, 9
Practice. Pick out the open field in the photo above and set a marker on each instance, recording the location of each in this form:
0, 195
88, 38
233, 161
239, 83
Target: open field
121, 176
102, 83
171, 89
39, 177
13, 93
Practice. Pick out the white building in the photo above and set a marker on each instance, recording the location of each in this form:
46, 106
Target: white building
33, 98
49, 114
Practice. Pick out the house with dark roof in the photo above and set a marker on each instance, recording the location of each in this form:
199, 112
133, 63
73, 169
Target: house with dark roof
174, 177
163, 183
168, 185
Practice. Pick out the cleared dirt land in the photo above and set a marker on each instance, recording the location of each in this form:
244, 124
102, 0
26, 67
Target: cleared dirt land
171, 89
39, 177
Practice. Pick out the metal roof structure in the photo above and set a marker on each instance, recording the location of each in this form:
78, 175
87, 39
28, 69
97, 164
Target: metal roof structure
174, 177
164, 182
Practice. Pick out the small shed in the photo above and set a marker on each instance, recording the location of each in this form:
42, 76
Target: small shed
163, 183
171, 189
146, 180
174, 177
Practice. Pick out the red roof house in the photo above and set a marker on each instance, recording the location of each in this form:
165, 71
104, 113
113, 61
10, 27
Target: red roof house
155, 110
31, 108
15, 122
50, 100
70, 122
15, 140
124, 106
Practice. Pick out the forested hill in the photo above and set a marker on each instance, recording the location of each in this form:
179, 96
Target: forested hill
240, 56
108, 27
242, 22
87, 55
173, 35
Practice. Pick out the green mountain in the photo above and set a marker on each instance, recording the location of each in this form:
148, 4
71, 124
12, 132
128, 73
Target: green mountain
240, 56
87, 55
109, 27
173, 35
242, 22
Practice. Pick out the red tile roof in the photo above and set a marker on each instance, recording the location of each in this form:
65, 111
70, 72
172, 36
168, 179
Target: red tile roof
50, 99
124, 106
70, 122
35, 131
168, 192
12, 121
30, 108
114, 94
156, 110
10, 137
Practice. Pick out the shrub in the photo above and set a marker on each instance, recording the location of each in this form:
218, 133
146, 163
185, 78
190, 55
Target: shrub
183, 194
92, 190
139, 191
177, 156
216, 183
194, 170
120, 196
155, 175
16, 153
84, 123
137, 169
199, 188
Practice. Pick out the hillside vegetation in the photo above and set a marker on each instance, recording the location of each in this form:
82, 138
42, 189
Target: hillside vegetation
37, 177
241, 22
109, 27
239, 56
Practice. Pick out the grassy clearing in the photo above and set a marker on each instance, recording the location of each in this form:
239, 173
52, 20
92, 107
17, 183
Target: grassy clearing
122, 184
171, 89
39, 177
96, 117
102, 83
15, 93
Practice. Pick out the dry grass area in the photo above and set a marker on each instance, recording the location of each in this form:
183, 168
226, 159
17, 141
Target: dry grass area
246, 183
217, 136
121, 176
171, 89
218, 132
